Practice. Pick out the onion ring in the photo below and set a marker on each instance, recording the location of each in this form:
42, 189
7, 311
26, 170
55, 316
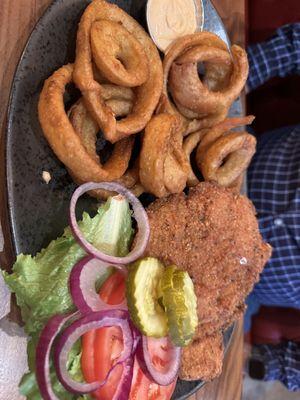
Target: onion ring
186, 87
228, 158
163, 164
147, 95
188, 90
217, 63
217, 131
67, 144
222, 84
118, 54
130, 180
205, 138
87, 129
178, 47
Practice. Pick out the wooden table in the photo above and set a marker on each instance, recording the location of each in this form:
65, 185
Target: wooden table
17, 19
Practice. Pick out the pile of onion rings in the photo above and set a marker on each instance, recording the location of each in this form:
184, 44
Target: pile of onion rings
123, 84
102, 30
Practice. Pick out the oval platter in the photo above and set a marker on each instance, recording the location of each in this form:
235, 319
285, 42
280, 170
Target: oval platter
38, 211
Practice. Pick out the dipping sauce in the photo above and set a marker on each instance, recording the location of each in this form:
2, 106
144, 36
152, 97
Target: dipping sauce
170, 19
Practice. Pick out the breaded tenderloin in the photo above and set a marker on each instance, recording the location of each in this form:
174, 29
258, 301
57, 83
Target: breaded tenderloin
203, 358
213, 234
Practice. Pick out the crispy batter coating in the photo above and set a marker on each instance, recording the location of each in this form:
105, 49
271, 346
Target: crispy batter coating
202, 358
69, 147
202, 102
213, 234
163, 163
147, 94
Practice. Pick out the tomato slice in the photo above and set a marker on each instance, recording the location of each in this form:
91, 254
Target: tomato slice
102, 347
87, 356
144, 389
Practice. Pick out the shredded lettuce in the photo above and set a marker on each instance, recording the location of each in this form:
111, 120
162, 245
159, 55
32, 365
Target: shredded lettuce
41, 282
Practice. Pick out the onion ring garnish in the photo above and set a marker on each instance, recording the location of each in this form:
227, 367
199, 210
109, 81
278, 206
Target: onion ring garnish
162, 375
73, 332
147, 95
83, 281
163, 163
140, 215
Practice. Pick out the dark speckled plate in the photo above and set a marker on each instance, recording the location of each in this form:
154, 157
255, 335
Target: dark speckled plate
38, 212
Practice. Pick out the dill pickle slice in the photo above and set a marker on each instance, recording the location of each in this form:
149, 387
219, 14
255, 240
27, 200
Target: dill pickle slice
142, 296
180, 303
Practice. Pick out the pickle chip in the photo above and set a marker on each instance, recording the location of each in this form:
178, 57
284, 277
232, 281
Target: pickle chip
180, 304
142, 293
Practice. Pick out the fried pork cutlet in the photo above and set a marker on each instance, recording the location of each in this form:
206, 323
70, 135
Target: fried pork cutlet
213, 234
203, 358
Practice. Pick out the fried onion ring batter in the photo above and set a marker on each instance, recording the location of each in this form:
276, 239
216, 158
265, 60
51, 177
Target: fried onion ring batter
219, 130
163, 164
119, 99
187, 89
147, 95
118, 54
67, 144
87, 129
205, 138
189, 145
228, 158
190, 93
202, 103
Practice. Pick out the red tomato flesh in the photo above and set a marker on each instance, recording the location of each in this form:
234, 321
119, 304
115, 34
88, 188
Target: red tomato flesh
102, 347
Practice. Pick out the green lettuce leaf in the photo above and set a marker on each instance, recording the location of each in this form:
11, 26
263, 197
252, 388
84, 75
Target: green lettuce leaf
41, 282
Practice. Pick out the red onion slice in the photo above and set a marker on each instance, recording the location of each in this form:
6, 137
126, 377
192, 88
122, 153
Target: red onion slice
82, 286
123, 390
49, 333
73, 332
163, 376
136, 337
140, 215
